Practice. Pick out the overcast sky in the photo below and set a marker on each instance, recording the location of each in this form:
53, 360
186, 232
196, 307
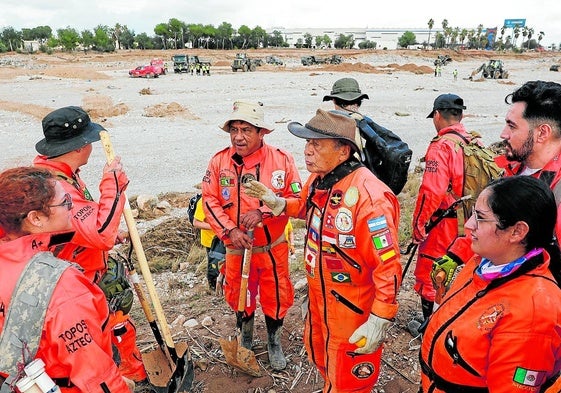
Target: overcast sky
143, 15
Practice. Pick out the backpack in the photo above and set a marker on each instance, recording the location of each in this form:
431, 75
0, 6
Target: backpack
479, 169
193, 206
384, 153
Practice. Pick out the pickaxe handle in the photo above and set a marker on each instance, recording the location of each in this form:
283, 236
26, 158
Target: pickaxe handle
139, 250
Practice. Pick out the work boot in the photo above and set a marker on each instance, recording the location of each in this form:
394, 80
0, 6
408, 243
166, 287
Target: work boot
245, 324
427, 307
276, 357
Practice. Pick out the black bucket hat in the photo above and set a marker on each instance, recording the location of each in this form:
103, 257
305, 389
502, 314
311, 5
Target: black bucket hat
67, 129
327, 125
345, 89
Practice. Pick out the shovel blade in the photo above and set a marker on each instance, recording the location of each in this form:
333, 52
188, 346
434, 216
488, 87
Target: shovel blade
167, 376
239, 357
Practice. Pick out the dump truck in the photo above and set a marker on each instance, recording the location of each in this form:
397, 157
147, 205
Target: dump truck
494, 69
181, 62
242, 62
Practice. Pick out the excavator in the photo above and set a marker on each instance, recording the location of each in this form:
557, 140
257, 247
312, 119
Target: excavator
494, 69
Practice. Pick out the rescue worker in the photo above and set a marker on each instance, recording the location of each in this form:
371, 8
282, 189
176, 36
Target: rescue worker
441, 185
532, 142
35, 210
497, 329
346, 95
351, 254
65, 148
231, 214
207, 238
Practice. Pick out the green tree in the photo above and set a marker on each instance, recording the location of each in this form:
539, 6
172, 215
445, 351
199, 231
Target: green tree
162, 30
245, 35
12, 38
87, 39
445, 31
327, 40
224, 34
276, 39
367, 44
176, 28
68, 38
430, 25
407, 38
308, 40
344, 41
540, 37
103, 41
126, 39
143, 41
258, 35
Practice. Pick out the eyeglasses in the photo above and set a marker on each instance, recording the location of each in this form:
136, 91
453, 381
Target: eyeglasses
478, 220
67, 201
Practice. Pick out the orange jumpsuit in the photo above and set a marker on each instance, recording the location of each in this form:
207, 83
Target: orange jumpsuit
442, 184
550, 174
224, 201
503, 341
353, 269
96, 225
75, 344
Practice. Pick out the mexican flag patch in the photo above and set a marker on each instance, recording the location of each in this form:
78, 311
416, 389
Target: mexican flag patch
528, 377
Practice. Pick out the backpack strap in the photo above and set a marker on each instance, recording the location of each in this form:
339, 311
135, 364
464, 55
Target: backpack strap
24, 322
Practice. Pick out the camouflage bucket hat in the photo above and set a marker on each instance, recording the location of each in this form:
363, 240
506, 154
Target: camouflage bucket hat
345, 89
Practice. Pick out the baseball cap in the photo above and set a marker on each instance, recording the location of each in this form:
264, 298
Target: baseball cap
447, 101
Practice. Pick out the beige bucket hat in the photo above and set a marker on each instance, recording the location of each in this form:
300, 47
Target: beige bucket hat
251, 112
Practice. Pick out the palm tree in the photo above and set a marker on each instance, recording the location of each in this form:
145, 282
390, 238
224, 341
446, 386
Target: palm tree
479, 30
516, 32
540, 37
530, 34
444, 29
430, 24
524, 34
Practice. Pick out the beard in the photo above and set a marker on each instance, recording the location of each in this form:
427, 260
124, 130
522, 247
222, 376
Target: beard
522, 154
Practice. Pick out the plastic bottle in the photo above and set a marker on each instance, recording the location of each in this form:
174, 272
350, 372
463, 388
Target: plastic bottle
27, 385
36, 371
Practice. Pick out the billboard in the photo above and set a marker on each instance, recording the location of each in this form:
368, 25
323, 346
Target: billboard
491, 34
512, 23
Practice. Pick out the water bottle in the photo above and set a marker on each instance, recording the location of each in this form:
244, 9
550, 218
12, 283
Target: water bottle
36, 371
27, 385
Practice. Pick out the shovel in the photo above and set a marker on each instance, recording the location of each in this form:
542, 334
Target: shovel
236, 355
169, 368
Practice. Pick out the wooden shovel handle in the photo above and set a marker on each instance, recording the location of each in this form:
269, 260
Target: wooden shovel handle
245, 274
137, 245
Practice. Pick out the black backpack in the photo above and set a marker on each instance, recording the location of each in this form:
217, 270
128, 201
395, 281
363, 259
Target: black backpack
384, 153
193, 206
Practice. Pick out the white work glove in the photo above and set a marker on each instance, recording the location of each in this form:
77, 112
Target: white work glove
260, 191
373, 330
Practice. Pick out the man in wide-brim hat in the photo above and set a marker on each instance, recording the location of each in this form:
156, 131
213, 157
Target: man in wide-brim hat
351, 253
232, 215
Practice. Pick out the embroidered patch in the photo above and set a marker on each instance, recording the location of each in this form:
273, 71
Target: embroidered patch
344, 220
363, 370
327, 249
227, 181
387, 255
312, 234
333, 263
277, 179
247, 177
347, 241
335, 198
528, 377
316, 222
296, 187
225, 194
329, 221
382, 240
490, 317
328, 237
340, 277
351, 196
377, 224
310, 259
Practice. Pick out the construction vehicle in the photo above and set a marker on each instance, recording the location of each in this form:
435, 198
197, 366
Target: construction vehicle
242, 62
554, 67
313, 60
181, 62
273, 60
442, 60
494, 69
